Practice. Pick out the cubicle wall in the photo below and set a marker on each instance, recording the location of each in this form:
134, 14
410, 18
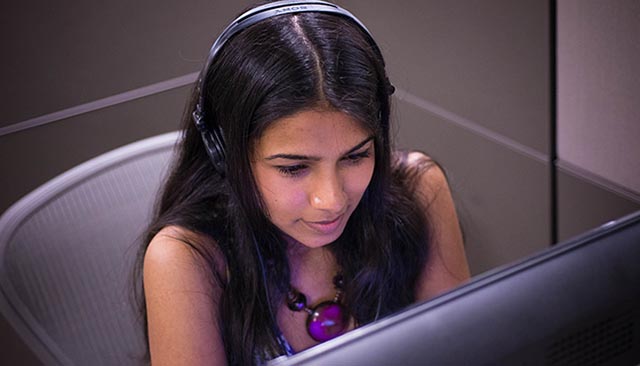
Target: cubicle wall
598, 112
475, 89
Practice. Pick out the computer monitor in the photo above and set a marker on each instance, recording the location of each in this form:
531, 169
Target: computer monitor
576, 303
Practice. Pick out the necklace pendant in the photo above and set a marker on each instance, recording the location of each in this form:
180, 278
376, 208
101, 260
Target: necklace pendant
327, 320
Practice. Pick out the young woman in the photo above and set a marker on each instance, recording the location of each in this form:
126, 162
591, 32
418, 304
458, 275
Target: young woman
287, 219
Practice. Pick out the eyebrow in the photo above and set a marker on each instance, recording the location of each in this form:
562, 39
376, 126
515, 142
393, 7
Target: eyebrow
314, 158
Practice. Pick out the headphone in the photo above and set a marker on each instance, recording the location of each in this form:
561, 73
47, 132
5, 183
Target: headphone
213, 138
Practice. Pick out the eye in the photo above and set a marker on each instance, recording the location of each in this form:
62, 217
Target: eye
292, 170
357, 157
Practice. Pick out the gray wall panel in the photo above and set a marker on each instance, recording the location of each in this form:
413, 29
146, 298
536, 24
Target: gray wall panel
599, 88
60, 54
32, 157
487, 61
502, 196
583, 205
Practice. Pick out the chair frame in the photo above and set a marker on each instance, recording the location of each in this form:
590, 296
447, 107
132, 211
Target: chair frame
11, 306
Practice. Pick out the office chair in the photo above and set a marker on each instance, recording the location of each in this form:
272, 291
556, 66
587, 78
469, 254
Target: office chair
67, 251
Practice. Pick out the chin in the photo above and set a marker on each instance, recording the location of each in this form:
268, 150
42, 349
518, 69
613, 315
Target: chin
317, 241
313, 243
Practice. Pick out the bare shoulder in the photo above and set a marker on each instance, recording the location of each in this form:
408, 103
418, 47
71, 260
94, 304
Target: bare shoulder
428, 178
447, 264
182, 300
167, 247
174, 246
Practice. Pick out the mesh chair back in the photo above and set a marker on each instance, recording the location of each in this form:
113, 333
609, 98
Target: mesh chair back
66, 256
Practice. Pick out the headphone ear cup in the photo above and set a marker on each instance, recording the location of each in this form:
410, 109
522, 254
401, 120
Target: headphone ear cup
212, 139
213, 143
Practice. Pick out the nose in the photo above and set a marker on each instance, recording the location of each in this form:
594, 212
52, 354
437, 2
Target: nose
328, 193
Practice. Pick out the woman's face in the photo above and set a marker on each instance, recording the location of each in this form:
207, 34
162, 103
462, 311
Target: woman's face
312, 169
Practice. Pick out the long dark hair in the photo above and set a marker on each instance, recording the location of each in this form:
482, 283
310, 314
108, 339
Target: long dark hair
273, 69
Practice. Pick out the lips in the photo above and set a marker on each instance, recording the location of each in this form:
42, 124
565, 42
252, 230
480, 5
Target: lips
325, 227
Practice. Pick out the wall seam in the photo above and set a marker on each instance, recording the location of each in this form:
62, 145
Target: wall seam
187, 79
471, 126
553, 121
120, 98
598, 181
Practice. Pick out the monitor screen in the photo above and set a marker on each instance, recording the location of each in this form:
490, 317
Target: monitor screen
576, 303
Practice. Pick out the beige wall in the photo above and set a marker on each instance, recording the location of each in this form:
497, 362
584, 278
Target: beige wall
598, 111
474, 91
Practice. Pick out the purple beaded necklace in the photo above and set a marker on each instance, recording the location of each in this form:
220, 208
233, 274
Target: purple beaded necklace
326, 320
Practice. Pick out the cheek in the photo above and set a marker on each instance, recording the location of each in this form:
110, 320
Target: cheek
282, 200
359, 180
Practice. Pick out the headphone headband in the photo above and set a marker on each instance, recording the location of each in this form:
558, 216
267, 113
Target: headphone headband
266, 11
213, 139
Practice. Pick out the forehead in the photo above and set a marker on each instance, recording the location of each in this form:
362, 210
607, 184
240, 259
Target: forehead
310, 131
